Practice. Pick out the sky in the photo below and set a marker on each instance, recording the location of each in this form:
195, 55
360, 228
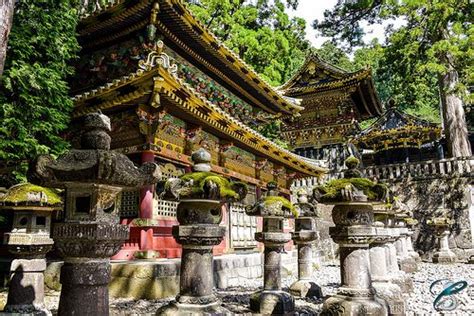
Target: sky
311, 10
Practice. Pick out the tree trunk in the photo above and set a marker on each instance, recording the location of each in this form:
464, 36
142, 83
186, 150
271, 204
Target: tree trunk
6, 18
455, 127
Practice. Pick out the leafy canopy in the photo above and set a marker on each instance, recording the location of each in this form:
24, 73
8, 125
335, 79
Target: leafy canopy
34, 101
260, 32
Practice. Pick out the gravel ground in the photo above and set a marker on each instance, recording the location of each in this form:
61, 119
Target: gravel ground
237, 299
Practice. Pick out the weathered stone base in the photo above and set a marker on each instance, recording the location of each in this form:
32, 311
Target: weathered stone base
179, 309
85, 282
272, 303
403, 280
415, 256
444, 257
392, 294
306, 288
408, 265
354, 306
30, 310
157, 279
26, 290
143, 279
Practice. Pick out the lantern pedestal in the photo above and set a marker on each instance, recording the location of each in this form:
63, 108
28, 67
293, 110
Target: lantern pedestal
384, 288
86, 249
405, 261
304, 237
411, 251
354, 233
198, 232
272, 300
443, 253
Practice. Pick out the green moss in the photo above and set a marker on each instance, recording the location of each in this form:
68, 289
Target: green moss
332, 190
352, 161
200, 179
269, 200
18, 194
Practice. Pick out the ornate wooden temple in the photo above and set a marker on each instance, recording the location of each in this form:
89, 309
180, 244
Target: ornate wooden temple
397, 137
170, 87
334, 101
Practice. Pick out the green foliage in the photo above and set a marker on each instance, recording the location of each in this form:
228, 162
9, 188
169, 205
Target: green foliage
334, 55
272, 200
260, 32
331, 191
19, 193
200, 179
34, 101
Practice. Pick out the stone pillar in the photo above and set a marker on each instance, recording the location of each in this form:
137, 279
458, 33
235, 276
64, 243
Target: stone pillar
304, 238
26, 287
443, 253
272, 300
405, 261
409, 245
274, 209
398, 277
381, 282
199, 214
93, 177
198, 232
354, 233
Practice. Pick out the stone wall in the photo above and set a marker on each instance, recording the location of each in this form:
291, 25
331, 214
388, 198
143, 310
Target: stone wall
437, 196
155, 279
429, 188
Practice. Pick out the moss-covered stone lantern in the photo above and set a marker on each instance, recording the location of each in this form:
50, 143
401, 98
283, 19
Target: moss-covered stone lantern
441, 226
274, 209
353, 216
29, 242
201, 195
92, 176
304, 237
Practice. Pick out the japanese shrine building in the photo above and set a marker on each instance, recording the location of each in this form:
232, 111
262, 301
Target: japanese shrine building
334, 102
170, 87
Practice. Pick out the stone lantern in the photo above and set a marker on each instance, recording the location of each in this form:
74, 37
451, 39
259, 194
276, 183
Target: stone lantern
411, 223
304, 236
29, 242
201, 195
92, 176
354, 232
274, 209
441, 227
380, 262
397, 276
405, 261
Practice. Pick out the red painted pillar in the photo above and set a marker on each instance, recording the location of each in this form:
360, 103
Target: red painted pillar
146, 212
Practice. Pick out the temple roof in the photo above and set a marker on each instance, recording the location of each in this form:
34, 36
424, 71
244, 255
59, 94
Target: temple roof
317, 77
397, 129
161, 78
184, 34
